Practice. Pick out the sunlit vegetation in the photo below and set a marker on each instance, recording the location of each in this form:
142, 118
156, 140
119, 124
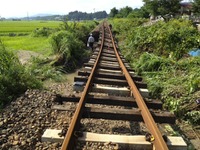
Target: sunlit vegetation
36, 44
25, 26
68, 43
20, 35
14, 79
159, 53
65, 40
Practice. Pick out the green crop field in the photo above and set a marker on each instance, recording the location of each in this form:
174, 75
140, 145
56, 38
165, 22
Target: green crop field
27, 42
36, 44
25, 26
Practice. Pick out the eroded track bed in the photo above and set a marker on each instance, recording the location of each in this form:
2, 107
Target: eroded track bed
114, 110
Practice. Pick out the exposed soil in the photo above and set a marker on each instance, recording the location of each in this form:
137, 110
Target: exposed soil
24, 55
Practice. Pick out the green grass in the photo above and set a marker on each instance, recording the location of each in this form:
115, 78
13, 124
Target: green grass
25, 26
36, 44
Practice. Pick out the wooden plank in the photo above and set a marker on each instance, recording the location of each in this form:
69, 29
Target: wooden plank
105, 62
102, 70
118, 82
137, 141
51, 135
127, 114
111, 100
118, 91
114, 75
108, 55
109, 81
108, 62
133, 141
120, 114
105, 51
107, 58
109, 66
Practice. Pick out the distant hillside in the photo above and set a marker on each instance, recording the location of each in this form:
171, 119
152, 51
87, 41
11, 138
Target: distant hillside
75, 15
43, 17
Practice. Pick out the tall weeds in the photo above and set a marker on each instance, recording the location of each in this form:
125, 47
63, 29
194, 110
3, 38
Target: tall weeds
14, 80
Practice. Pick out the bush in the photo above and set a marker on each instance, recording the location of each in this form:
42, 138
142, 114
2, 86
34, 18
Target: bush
176, 83
151, 62
193, 117
40, 32
43, 70
68, 47
172, 39
14, 80
69, 43
158, 53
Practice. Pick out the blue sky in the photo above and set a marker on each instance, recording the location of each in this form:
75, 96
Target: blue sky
20, 8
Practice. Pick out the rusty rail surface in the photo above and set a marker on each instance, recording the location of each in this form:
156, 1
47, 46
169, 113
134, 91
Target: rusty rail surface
70, 139
158, 143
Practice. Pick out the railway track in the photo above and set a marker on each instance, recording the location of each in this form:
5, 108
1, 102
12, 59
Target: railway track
108, 80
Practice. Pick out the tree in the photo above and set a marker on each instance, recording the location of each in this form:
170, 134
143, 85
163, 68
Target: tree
196, 7
124, 12
139, 13
113, 12
162, 7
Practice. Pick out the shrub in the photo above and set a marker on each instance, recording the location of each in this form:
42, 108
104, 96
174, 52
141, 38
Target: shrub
193, 117
40, 32
68, 47
14, 80
43, 70
151, 62
174, 38
158, 53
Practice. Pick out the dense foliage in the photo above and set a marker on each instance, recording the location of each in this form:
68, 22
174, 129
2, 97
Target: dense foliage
69, 48
14, 79
42, 69
174, 38
196, 7
69, 43
128, 12
162, 7
77, 15
125, 24
139, 13
42, 32
159, 53
176, 83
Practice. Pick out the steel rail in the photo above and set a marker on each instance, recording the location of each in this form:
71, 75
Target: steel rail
158, 143
69, 140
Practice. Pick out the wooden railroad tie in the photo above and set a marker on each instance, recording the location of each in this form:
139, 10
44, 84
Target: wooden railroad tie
137, 142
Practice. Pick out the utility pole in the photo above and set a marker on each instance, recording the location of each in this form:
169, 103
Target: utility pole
27, 16
94, 14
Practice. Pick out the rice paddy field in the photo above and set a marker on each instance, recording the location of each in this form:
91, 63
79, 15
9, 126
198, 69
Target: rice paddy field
25, 26
22, 39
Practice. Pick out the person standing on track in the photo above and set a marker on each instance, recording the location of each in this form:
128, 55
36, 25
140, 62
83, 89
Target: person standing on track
91, 41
